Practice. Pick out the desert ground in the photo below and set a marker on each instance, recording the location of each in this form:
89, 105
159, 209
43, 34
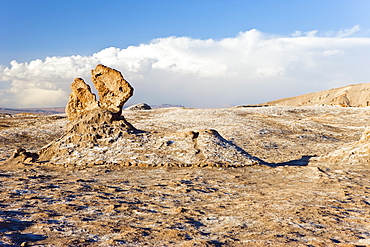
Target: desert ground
289, 200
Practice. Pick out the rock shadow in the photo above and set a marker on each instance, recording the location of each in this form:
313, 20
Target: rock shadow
195, 223
304, 161
242, 151
11, 228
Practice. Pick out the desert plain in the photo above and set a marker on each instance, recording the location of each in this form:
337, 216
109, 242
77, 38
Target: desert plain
292, 198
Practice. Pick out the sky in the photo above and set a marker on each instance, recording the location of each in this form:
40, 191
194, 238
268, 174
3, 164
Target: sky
197, 53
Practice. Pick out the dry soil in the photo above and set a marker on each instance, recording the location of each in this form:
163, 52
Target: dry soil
286, 202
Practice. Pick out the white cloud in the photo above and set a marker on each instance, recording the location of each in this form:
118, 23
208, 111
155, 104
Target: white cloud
348, 32
41, 97
250, 68
333, 52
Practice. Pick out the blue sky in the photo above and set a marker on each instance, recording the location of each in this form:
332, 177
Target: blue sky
35, 30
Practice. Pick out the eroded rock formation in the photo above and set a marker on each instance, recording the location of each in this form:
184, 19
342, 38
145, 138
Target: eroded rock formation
112, 88
114, 145
356, 153
98, 134
81, 100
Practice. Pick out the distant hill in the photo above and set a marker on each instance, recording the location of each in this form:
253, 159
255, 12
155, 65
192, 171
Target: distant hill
58, 110
41, 111
357, 95
157, 106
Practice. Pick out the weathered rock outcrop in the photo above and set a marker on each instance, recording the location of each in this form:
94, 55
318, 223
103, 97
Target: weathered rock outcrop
356, 153
112, 144
81, 100
112, 88
98, 134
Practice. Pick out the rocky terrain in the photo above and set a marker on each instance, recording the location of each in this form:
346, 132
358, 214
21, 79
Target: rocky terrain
288, 202
243, 176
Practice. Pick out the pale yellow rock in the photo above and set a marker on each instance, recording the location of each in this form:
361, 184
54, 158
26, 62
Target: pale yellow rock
81, 100
113, 89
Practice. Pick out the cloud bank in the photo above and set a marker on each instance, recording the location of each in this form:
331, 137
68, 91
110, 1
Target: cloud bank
250, 68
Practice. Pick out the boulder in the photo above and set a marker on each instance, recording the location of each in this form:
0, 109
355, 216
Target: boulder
20, 155
140, 106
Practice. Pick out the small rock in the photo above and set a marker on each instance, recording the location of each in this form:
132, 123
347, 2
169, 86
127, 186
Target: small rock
140, 106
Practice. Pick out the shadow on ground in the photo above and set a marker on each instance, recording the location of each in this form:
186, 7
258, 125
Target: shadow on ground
299, 162
10, 230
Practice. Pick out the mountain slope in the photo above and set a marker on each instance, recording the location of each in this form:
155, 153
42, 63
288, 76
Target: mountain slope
357, 95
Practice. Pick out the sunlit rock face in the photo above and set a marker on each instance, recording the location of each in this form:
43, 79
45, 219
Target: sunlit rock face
113, 91
81, 100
